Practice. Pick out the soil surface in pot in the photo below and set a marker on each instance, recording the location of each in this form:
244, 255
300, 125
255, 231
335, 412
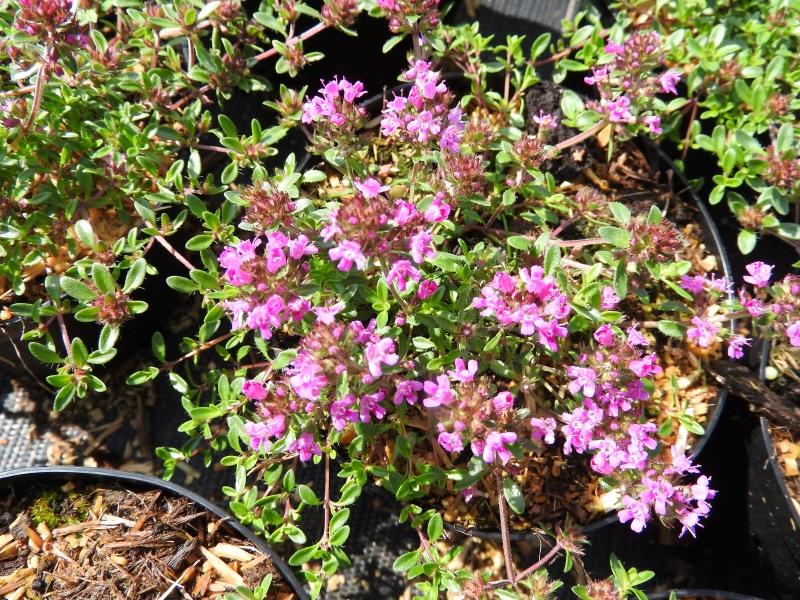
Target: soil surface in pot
107, 542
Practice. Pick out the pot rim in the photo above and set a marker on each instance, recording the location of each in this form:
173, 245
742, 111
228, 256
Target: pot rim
715, 594
48, 474
766, 439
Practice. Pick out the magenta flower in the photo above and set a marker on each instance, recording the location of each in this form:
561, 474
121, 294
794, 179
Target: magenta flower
307, 379
668, 80
464, 372
300, 247
653, 123
614, 48
426, 289
583, 380
543, 429
503, 402
703, 333
604, 335
370, 405
404, 212
267, 316
495, 447
694, 284
347, 253
635, 511
608, 298
327, 314
254, 390
759, 274
420, 245
342, 413
646, 366
439, 392
401, 272
380, 352
438, 210
451, 442
793, 333
736, 346
619, 110
635, 338
370, 187
545, 121
305, 446
259, 436
407, 391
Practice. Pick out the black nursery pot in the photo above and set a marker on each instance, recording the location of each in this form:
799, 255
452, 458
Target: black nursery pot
28, 477
702, 595
774, 521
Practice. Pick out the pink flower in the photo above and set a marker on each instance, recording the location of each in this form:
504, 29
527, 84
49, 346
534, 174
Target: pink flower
635, 511
347, 253
653, 122
503, 401
543, 429
420, 246
305, 446
793, 333
424, 125
254, 390
703, 333
327, 314
604, 335
619, 110
439, 392
259, 436
597, 76
635, 338
267, 316
370, 187
736, 346
469, 493
495, 447
646, 366
407, 391
608, 298
693, 283
307, 379
451, 442
426, 289
404, 212
668, 80
401, 272
614, 48
546, 121
584, 380
300, 247
464, 373
438, 210
342, 413
379, 352
760, 274
370, 405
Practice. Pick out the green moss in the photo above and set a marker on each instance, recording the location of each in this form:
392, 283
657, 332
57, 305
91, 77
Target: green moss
56, 508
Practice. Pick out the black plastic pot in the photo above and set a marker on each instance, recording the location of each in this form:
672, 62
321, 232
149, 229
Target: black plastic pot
26, 478
702, 595
774, 521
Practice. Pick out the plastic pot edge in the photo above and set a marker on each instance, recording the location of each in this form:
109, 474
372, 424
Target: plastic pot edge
8, 478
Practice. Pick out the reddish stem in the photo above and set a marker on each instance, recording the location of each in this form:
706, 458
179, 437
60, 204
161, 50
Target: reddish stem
178, 256
293, 40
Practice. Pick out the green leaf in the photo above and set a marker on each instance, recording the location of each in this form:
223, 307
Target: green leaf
392, 42
135, 275
513, 495
79, 352
76, 289
43, 353
64, 397
435, 527
307, 495
303, 555
621, 212
520, 242
181, 284
616, 236
405, 561
552, 259
672, 328
85, 233
102, 278
746, 241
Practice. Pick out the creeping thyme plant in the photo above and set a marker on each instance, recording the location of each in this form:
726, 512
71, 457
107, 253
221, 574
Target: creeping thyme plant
104, 105
738, 62
424, 305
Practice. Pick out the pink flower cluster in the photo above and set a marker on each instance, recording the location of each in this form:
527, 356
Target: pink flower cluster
414, 16
626, 84
267, 281
531, 300
335, 105
777, 303
424, 115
